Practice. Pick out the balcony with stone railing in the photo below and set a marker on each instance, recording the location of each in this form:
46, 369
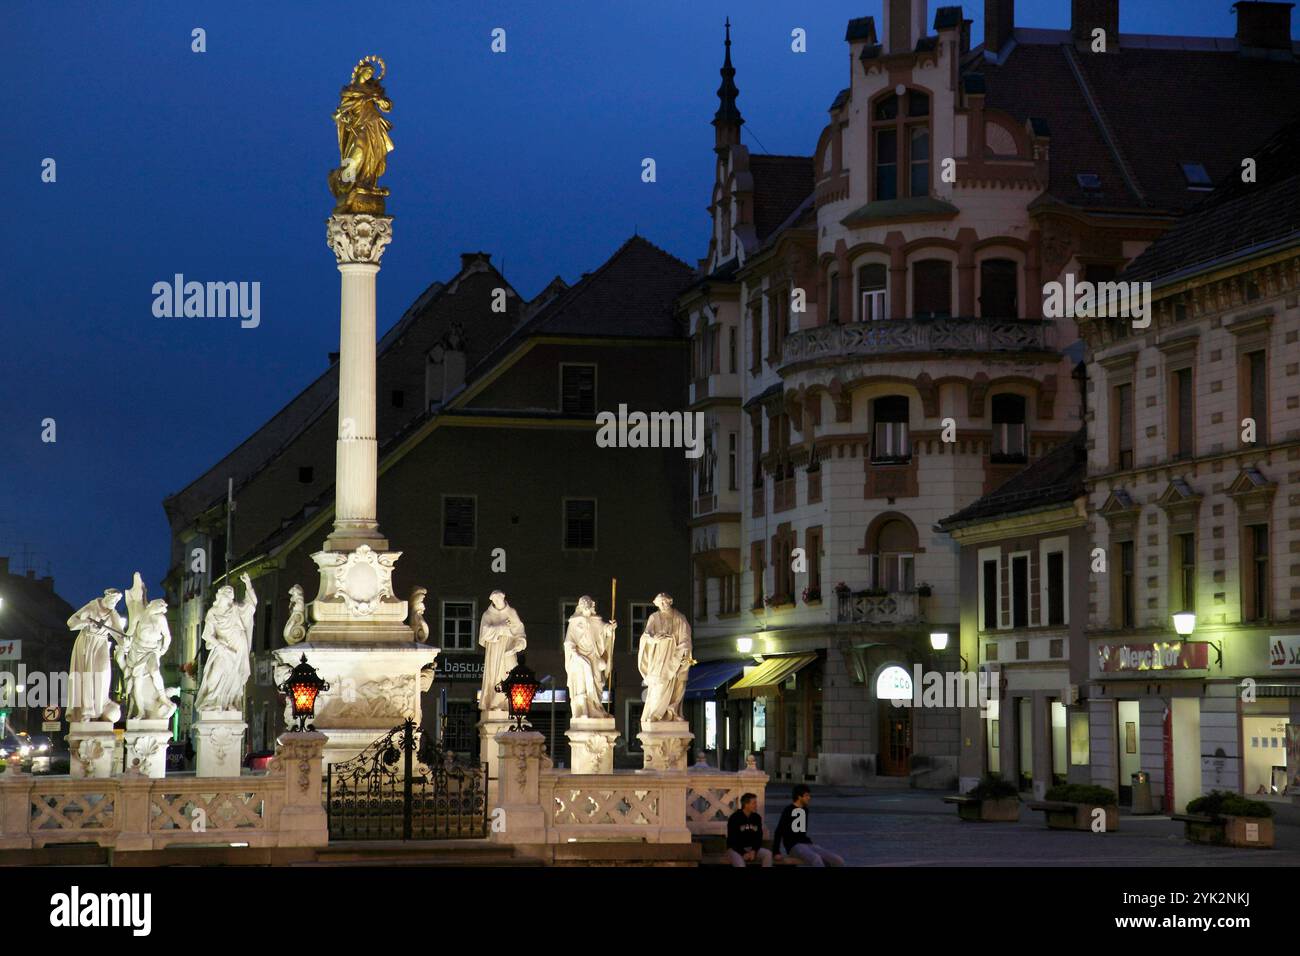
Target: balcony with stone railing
901, 336
879, 607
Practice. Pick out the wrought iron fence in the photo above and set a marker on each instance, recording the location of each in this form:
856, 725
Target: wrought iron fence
406, 786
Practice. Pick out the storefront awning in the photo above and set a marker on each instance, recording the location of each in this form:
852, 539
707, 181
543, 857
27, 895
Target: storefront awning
706, 678
764, 679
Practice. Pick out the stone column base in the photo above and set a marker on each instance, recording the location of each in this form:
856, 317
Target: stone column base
491, 723
219, 743
591, 744
664, 744
91, 745
146, 746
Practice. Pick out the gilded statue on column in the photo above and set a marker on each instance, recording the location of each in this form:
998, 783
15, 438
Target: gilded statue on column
364, 144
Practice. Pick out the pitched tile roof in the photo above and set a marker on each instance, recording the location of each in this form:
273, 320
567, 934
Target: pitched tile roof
1054, 479
1237, 218
1158, 101
781, 183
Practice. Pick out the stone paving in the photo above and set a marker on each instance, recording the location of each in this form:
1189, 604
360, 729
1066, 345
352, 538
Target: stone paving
916, 828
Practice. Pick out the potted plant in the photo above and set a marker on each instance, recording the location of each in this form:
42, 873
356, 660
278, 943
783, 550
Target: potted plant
812, 595
1071, 806
923, 590
841, 589
992, 800
1228, 819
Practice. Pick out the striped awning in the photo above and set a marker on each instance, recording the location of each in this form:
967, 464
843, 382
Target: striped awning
767, 677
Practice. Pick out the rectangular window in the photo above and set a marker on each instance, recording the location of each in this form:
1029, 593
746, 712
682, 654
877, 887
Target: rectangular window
756, 570
580, 524
886, 164
731, 350
833, 298
1181, 428
932, 289
998, 289
890, 440
990, 590
918, 155
458, 518
1009, 429
578, 389
871, 292
701, 595
1256, 573
1123, 426
458, 625
731, 461
1185, 566
755, 339
1055, 588
640, 613
813, 537
1020, 591
1256, 370
1127, 585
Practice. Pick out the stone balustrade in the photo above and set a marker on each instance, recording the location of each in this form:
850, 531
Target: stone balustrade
542, 805
894, 336
134, 812
886, 607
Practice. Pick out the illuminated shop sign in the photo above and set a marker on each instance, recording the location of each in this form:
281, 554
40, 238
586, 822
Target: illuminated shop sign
1284, 653
1159, 656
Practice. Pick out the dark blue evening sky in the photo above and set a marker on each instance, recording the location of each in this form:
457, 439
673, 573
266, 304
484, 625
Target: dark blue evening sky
213, 165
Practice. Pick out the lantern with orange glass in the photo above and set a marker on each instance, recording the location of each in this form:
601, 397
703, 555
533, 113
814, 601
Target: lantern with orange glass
520, 686
303, 687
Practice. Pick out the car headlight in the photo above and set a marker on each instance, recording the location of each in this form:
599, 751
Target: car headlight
42, 748
24, 751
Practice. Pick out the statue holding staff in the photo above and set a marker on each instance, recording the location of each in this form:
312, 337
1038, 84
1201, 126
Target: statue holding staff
588, 660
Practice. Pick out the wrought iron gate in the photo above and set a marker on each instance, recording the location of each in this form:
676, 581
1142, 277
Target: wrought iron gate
405, 786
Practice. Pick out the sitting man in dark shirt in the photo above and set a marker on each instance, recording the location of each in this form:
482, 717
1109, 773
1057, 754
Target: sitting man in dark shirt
792, 833
745, 834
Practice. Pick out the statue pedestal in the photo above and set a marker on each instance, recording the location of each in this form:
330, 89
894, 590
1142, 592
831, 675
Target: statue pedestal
491, 723
146, 746
91, 744
219, 743
591, 744
374, 684
664, 744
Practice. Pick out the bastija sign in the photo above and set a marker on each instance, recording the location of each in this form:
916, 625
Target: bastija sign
1159, 656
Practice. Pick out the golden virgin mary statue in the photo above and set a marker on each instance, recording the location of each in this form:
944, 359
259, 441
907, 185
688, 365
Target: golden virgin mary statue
363, 141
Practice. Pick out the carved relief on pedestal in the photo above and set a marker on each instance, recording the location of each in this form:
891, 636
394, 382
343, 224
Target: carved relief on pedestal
665, 754
390, 697
357, 585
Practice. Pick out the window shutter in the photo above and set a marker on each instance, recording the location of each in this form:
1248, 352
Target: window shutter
578, 390
458, 522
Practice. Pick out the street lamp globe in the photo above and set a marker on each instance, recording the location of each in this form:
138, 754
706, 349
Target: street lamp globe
1185, 623
939, 640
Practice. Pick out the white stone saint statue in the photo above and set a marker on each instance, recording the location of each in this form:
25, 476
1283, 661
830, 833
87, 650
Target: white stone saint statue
140, 655
664, 661
501, 635
588, 660
228, 635
91, 670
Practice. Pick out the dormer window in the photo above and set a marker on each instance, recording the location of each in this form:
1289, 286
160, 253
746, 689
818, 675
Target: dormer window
1198, 179
1089, 181
900, 136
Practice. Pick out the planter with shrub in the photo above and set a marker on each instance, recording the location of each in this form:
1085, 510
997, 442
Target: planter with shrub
1228, 819
1071, 806
992, 800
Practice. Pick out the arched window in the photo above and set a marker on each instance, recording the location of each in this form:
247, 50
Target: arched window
891, 553
900, 136
1010, 440
833, 297
998, 293
889, 436
871, 292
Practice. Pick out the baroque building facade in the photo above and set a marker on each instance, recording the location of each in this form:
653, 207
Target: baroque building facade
871, 353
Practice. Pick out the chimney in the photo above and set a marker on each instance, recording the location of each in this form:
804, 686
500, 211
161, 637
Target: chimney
31, 574
1089, 15
1263, 26
902, 23
4, 565
47, 582
999, 22
470, 259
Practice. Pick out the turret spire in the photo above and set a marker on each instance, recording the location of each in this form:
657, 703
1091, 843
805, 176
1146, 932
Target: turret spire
727, 120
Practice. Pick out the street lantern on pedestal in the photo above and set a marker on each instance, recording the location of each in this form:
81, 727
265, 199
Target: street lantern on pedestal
303, 687
520, 686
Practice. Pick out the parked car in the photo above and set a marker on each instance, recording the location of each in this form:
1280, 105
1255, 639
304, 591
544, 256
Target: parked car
23, 745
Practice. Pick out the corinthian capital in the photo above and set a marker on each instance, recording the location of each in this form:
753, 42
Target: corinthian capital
358, 237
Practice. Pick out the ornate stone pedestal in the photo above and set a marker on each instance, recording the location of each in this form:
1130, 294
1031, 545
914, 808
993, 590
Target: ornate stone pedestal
522, 818
493, 722
591, 744
146, 746
219, 743
665, 743
91, 744
374, 686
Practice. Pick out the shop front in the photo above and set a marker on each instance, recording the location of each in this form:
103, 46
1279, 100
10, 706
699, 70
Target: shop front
781, 698
723, 727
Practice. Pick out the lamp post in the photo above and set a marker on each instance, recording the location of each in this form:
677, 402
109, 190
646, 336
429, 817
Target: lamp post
1185, 623
303, 686
939, 640
520, 687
